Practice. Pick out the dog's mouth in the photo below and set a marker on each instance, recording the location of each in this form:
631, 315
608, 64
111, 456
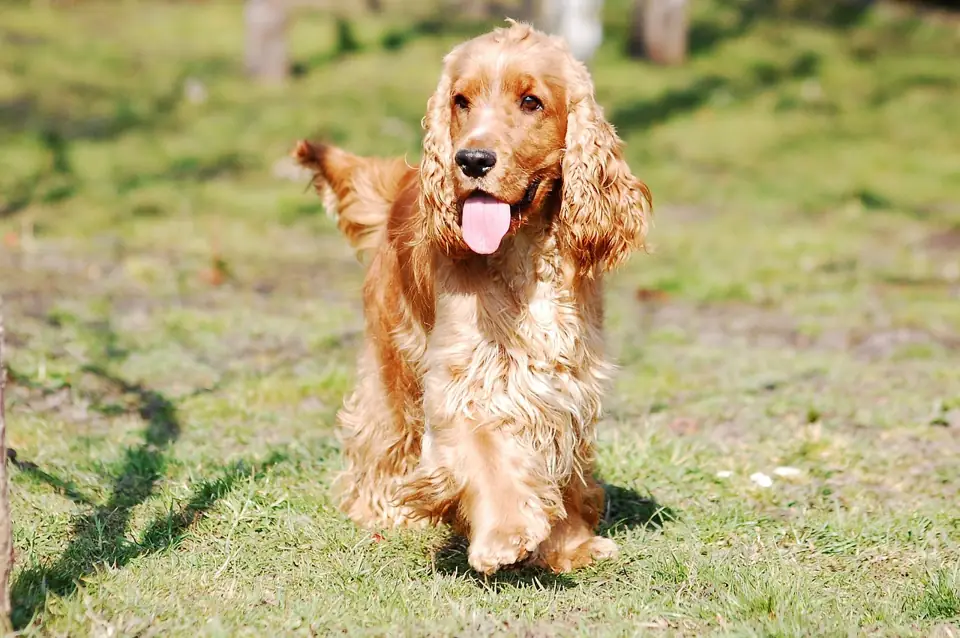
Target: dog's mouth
527, 199
486, 220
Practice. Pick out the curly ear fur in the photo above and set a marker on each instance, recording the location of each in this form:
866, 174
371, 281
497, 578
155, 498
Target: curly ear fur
437, 198
605, 209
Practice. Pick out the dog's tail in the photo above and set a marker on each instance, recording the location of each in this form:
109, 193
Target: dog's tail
357, 191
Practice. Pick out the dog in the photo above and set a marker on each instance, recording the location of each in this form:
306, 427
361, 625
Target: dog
482, 370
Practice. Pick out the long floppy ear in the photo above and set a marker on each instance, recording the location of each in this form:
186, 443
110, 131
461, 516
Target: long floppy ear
437, 199
605, 209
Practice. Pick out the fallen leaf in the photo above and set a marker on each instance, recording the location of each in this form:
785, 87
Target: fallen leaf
217, 274
268, 598
651, 294
684, 426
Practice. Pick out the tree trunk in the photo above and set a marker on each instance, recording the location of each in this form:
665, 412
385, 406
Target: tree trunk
659, 30
6, 530
266, 40
578, 22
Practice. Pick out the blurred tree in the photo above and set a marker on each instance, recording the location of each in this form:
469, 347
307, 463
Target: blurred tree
659, 30
266, 40
577, 21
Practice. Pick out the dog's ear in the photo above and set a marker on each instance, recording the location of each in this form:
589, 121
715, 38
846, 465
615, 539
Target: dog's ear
605, 209
437, 199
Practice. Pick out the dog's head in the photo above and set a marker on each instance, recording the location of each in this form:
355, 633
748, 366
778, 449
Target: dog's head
513, 133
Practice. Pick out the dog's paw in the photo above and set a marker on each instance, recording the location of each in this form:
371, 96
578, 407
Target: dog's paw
500, 548
586, 553
599, 548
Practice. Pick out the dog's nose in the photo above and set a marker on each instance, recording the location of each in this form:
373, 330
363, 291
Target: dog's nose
476, 162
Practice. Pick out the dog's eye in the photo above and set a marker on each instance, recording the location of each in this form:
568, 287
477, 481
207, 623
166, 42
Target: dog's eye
531, 103
461, 102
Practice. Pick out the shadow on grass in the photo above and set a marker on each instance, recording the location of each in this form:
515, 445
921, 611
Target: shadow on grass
442, 26
31, 114
395, 39
451, 560
56, 129
627, 509
185, 170
99, 538
706, 34
36, 474
50, 185
701, 91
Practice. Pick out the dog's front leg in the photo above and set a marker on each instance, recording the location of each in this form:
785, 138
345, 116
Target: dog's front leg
481, 472
573, 542
507, 503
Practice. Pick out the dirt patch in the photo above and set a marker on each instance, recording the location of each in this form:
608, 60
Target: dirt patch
946, 241
742, 325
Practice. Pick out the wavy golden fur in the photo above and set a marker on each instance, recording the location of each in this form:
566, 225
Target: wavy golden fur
481, 376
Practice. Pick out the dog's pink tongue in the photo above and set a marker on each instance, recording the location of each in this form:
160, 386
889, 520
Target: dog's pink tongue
485, 221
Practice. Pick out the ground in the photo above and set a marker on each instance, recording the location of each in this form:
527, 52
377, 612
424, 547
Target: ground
183, 321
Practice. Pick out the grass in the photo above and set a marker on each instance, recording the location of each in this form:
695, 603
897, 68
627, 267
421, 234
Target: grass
183, 323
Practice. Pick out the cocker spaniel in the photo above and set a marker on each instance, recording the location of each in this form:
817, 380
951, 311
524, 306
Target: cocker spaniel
482, 372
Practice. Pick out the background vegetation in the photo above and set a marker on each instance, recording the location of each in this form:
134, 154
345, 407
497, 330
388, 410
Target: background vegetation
182, 321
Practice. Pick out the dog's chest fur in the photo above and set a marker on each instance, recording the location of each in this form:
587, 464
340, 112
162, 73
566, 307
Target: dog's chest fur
517, 345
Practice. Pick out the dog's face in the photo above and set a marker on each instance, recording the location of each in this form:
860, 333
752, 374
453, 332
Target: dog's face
508, 122
513, 132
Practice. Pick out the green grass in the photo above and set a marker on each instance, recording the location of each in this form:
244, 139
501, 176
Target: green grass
801, 308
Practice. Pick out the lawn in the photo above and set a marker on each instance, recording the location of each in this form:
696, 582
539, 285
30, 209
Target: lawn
183, 320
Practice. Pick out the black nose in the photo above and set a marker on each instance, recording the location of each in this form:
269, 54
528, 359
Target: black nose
476, 162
